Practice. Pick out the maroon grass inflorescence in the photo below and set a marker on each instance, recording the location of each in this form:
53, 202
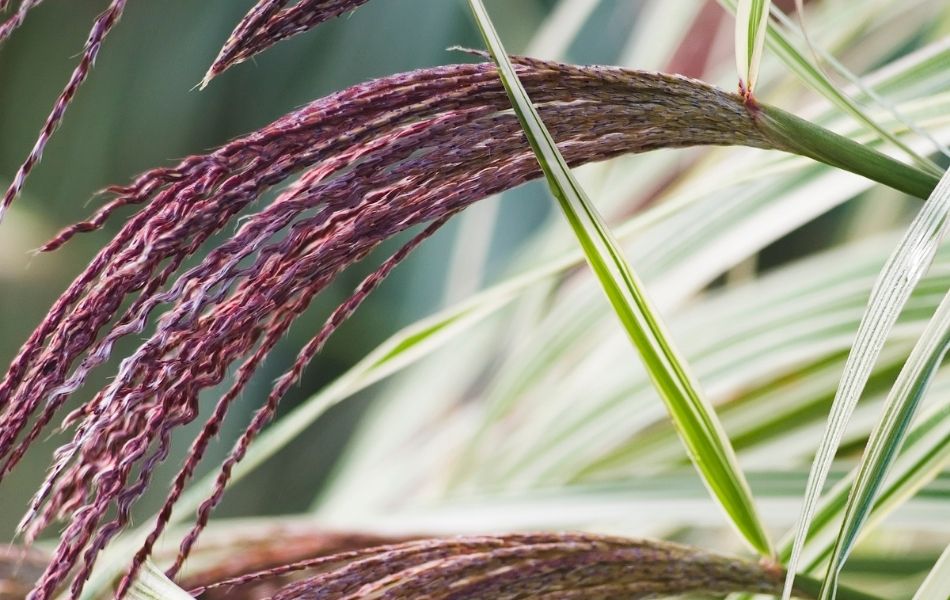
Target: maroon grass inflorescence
8, 25
531, 565
100, 29
271, 21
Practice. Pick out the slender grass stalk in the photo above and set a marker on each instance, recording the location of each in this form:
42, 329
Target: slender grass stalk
819, 144
100, 29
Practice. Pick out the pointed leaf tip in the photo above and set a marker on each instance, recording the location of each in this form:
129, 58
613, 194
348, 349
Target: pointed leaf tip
752, 17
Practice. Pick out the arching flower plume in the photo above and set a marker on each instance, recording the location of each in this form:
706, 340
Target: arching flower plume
376, 160
549, 565
270, 21
267, 547
298, 561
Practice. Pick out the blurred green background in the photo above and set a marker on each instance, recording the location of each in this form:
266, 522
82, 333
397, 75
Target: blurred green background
140, 110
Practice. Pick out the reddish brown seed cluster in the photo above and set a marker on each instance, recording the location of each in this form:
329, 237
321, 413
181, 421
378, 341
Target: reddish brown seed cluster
376, 159
549, 565
293, 561
271, 21
100, 29
16, 19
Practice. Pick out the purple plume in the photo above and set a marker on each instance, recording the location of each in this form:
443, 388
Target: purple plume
373, 161
531, 565
269, 22
100, 29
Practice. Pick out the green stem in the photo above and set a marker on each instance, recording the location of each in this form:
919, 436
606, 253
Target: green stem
804, 138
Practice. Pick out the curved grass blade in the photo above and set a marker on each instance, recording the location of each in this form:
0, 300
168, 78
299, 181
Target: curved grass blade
921, 459
701, 432
893, 287
937, 584
901, 406
752, 19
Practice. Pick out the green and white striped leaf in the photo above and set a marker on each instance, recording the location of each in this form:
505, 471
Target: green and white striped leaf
152, 584
901, 406
937, 584
696, 421
925, 454
903, 270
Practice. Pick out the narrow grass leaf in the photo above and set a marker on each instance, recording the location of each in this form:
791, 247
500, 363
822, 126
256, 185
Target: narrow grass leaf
152, 584
937, 584
752, 19
922, 458
893, 287
820, 54
702, 434
901, 406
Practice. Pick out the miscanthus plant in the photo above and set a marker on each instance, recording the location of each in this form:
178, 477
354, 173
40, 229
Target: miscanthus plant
688, 416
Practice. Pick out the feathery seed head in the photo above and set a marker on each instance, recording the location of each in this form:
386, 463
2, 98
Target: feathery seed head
270, 21
374, 160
